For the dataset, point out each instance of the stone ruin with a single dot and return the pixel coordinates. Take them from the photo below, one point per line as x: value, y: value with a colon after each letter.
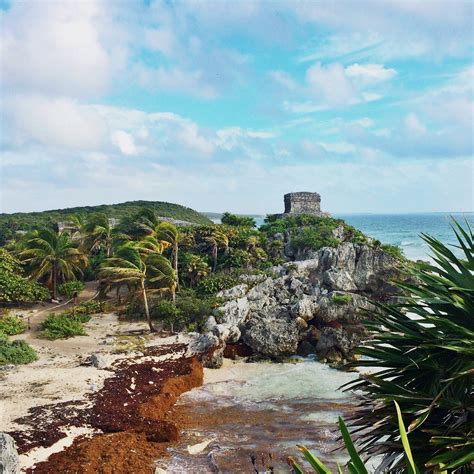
x: 303, y: 203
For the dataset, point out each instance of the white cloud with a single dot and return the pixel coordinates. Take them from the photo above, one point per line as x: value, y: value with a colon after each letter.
x: 54, y: 122
x: 413, y: 125
x: 59, y: 48
x: 163, y: 40
x: 370, y: 73
x: 124, y: 142
x: 331, y: 84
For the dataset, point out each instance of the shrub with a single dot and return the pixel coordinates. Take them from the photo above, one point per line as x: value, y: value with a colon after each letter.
x: 237, y: 221
x: 167, y: 312
x: 83, y: 311
x: 11, y: 325
x: 214, y: 283
x: 68, y: 288
x: 393, y: 250
x: 425, y: 348
x: 61, y: 326
x: 15, y: 352
x: 341, y: 299
x: 14, y: 287
x: 313, y: 238
x: 195, y: 310
x: 189, y: 313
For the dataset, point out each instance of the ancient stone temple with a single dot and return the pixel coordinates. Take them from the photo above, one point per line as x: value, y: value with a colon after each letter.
x: 303, y: 203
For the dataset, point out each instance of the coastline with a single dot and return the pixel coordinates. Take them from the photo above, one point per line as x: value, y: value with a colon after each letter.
x: 67, y: 415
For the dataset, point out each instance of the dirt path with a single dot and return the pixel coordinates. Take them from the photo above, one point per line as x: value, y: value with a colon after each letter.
x: 36, y: 314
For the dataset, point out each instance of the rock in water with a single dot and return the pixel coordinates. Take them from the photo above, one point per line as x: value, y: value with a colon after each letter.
x: 272, y: 334
x: 9, y: 460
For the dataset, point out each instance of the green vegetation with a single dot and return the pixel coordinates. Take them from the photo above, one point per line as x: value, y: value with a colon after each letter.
x: 356, y: 464
x: 83, y: 311
x: 62, y: 326
x: 10, y: 223
x: 14, y: 287
x: 70, y: 288
x: 215, y: 283
x: 11, y: 325
x: 237, y: 221
x: 427, y: 364
x: 189, y: 313
x: 342, y: 299
x: 311, y: 232
x: 52, y: 255
x: 15, y: 352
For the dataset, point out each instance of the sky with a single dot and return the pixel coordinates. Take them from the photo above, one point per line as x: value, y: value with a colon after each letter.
x: 228, y: 105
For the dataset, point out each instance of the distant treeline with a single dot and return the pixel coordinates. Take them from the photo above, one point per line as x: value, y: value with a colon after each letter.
x: 24, y: 221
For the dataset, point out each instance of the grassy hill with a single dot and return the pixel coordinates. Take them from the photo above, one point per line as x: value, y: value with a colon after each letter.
x: 31, y: 220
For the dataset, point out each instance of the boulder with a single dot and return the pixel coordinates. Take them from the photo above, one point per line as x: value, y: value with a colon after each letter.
x: 209, y: 348
x: 9, y: 460
x: 100, y: 361
x: 273, y: 333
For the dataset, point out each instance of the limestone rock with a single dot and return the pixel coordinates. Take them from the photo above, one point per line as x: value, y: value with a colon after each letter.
x: 9, y: 460
x: 272, y: 334
x: 100, y: 361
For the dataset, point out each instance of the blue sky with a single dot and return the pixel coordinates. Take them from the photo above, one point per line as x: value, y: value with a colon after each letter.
x: 223, y: 105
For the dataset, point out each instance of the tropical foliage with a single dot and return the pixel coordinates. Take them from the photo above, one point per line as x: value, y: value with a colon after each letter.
x: 52, y: 256
x: 70, y: 288
x: 355, y: 464
x: 11, y: 325
x: 15, y: 352
x: 237, y: 221
x: 14, y: 287
x: 425, y: 352
x: 62, y: 326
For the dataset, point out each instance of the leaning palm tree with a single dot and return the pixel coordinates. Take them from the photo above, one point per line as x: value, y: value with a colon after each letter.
x: 52, y: 255
x: 127, y: 268
x: 216, y: 240
x: 152, y: 226
x: 76, y: 225
x: 101, y: 235
x: 425, y: 350
x: 168, y: 235
x: 161, y: 274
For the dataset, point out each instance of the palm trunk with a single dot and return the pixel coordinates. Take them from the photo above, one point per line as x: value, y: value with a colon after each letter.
x: 147, y: 311
x: 214, y: 259
x: 55, y: 281
x: 175, y: 263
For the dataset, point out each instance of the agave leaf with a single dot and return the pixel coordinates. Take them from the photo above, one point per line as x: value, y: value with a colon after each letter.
x: 315, y: 463
x: 355, y: 458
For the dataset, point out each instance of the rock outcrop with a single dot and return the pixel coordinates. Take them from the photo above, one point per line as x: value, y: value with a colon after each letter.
x: 9, y: 460
x: 317, y: 302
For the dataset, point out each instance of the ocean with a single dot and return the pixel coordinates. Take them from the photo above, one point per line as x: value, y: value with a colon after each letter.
x: 403, y: 230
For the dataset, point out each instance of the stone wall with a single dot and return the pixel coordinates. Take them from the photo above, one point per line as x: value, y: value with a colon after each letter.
x: 303, y: 203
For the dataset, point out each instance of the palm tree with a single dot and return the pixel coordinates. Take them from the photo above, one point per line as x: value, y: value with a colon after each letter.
x: 163, y: 231
x: 216, y: 240
x: 161, y: 274
x: 76, y: 225
x: 127, y: 268
x: 424, y: 347
x: 54, y: 255
x: 100, y: 234
x: 195, y: 267
x: 168, y: 235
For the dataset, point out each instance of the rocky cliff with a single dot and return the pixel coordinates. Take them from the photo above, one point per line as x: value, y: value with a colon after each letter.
x: 307, y: 306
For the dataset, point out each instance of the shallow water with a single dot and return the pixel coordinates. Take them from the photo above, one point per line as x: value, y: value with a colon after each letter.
x: 261, y: 411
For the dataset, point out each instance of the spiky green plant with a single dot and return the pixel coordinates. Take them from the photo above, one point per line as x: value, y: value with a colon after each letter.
x: 355, y: 464
x: 423, y: 348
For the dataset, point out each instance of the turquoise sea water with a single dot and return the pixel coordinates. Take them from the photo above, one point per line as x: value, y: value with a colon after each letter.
x: 404, y: 230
